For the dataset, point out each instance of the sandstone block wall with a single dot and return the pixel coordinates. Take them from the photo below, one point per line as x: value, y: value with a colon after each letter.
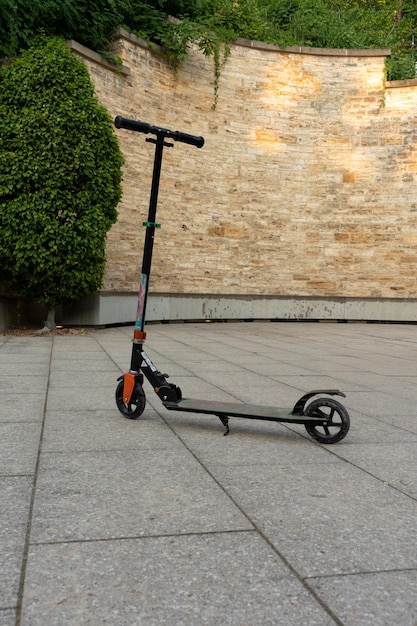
x: 306, y: 185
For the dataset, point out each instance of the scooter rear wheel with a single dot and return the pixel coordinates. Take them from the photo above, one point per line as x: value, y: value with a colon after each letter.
x: 337, y: 420
x: 137, y: 403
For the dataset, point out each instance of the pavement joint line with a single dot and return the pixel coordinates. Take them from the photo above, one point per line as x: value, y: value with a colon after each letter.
x: 28, y: 421
x: 32, y: 500
x: 25, y: 475
x: 106, y: 451
x: 395, y: 570
x: 202, y: 533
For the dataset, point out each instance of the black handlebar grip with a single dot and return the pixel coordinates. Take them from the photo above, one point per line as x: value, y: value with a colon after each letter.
x: 123, y: 122
x: 190, y: 139
x: 143, y: 127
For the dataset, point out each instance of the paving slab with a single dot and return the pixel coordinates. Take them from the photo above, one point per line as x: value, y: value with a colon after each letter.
x: 128, y: 494
x: 393, y: 462
x: 77, y: 363
x: 92, y: 398
x: 15, y: 496
x: 7, y: 617
x: 382, y: 404
x: 22, y: 407
x: 19, y: 445
x: 21, y: 367
x: 17, y: 384
x: 407, y: 422
x: 251, y: 388
x: 377, y: 430
x: 81, y: 379
x: 83, y: 431
x: 196, y: 387
x: 304, y: 381
x: 383, y: 598
x: 230, y: 579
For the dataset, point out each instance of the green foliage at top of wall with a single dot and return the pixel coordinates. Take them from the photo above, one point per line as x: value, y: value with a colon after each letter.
x: 60, y: 175
x: 212, y: 23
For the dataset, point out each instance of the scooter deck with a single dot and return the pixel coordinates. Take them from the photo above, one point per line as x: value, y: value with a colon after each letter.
x: 238, y: 409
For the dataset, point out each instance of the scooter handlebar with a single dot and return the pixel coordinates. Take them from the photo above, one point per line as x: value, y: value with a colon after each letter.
x: 123, y: 122
x: 143, y: 127
x: 193, y: 140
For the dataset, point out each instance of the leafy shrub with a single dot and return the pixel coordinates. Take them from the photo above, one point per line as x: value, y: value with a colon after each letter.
x: 60, y: 175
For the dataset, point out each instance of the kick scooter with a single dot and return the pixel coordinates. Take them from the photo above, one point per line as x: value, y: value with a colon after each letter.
x: 325, y: 419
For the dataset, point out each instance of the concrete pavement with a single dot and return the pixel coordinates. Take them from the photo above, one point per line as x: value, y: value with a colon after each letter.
x: 162, y: 520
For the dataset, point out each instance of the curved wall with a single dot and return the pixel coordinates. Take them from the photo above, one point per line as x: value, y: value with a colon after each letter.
x: 303, y: 197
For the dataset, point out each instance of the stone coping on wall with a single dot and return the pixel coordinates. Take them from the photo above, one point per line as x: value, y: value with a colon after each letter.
x: 260, y: 45
x: 328, y: 52
x: 393, y: 84
x: 97, y: 58
x: 121, y: 33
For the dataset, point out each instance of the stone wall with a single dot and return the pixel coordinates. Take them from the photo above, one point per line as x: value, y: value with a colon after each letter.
x: 305, y: 188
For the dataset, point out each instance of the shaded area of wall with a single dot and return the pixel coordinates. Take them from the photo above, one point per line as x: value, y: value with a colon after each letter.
x: 17, y: 312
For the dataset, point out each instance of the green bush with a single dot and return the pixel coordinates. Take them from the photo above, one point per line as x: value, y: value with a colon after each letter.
x: 60, y: 176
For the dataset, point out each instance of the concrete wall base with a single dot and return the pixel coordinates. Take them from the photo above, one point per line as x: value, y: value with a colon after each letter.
x: 111, y: 308
x: 107, y: 309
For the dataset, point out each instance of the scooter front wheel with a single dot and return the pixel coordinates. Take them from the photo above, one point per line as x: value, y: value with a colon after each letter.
x: 337, y: 423
x: 137, y: 403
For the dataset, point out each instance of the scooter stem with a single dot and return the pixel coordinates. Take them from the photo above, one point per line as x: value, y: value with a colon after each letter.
x: 161, y: 134
x: 150, y: 234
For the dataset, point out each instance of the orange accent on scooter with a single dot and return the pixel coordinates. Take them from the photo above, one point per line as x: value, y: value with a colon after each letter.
x: 128, y: 386
x: 139, y: 335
